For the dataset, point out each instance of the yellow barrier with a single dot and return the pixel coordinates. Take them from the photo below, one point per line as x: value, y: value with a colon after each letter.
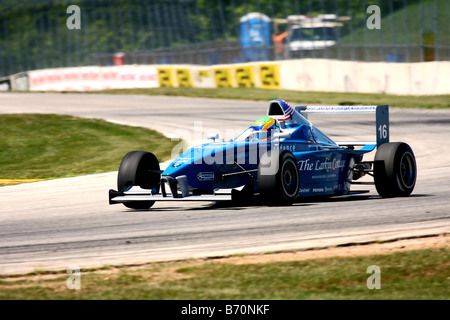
x: 251, y: 75
x: 223, y: 77
x: 165, y: 77
x: 184, y: 78
x: 245, y: 76
x: 269, y: 76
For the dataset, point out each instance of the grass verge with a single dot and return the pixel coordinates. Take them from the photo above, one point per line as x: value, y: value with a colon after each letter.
x: 299, y: 97
x: 416, y: 274
x: 48, y: 146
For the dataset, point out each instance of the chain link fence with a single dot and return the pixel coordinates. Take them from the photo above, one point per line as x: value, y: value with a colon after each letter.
x: 38, y: 34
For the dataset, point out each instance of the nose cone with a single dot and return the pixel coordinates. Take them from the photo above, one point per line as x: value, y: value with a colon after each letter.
x: 200, y: 164
x: 210, y: 153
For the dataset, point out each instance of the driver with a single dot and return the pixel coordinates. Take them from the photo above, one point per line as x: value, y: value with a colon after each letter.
x: 264, y: 127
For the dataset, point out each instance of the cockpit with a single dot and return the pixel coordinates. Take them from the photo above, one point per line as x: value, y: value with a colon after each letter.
x: 251, y: 135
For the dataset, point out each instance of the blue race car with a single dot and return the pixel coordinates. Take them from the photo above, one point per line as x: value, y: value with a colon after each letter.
x: 280, y: 158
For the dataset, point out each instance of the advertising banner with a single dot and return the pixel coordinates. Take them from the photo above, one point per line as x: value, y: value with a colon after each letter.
x: 93, y: 78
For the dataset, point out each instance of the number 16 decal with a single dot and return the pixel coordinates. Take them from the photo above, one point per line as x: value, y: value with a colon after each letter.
x: 382, y: 124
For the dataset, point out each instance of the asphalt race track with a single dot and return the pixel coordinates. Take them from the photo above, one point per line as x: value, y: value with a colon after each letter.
x: 59, y: 223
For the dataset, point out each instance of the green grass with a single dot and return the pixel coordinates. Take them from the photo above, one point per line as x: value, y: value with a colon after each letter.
x: 417, y: 275
x: 35, y: 146
x: 299, y: 97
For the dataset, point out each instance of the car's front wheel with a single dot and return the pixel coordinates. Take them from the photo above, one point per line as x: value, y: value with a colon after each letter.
x: 278, y: 177
x: 139, y: 168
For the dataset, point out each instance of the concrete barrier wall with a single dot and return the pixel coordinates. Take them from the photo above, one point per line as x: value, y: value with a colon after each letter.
x: 426, y: 78
x: 423, y: 78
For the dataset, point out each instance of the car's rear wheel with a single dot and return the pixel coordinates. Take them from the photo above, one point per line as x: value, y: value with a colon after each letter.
x: 278, y: 178
x: 395, y: 170
x: 139, y: 168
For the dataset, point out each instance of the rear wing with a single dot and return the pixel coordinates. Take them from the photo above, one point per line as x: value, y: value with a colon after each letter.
x: 381, y: 117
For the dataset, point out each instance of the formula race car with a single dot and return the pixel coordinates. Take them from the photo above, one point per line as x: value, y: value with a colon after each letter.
x: 280, y: 158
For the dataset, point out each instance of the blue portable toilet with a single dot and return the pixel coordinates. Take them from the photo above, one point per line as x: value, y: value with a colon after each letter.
x: 255, y: 37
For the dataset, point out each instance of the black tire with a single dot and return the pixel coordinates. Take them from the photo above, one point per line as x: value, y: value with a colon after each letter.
x: 395, y: 170
x: 281, y: 187
x: 134, y: 170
